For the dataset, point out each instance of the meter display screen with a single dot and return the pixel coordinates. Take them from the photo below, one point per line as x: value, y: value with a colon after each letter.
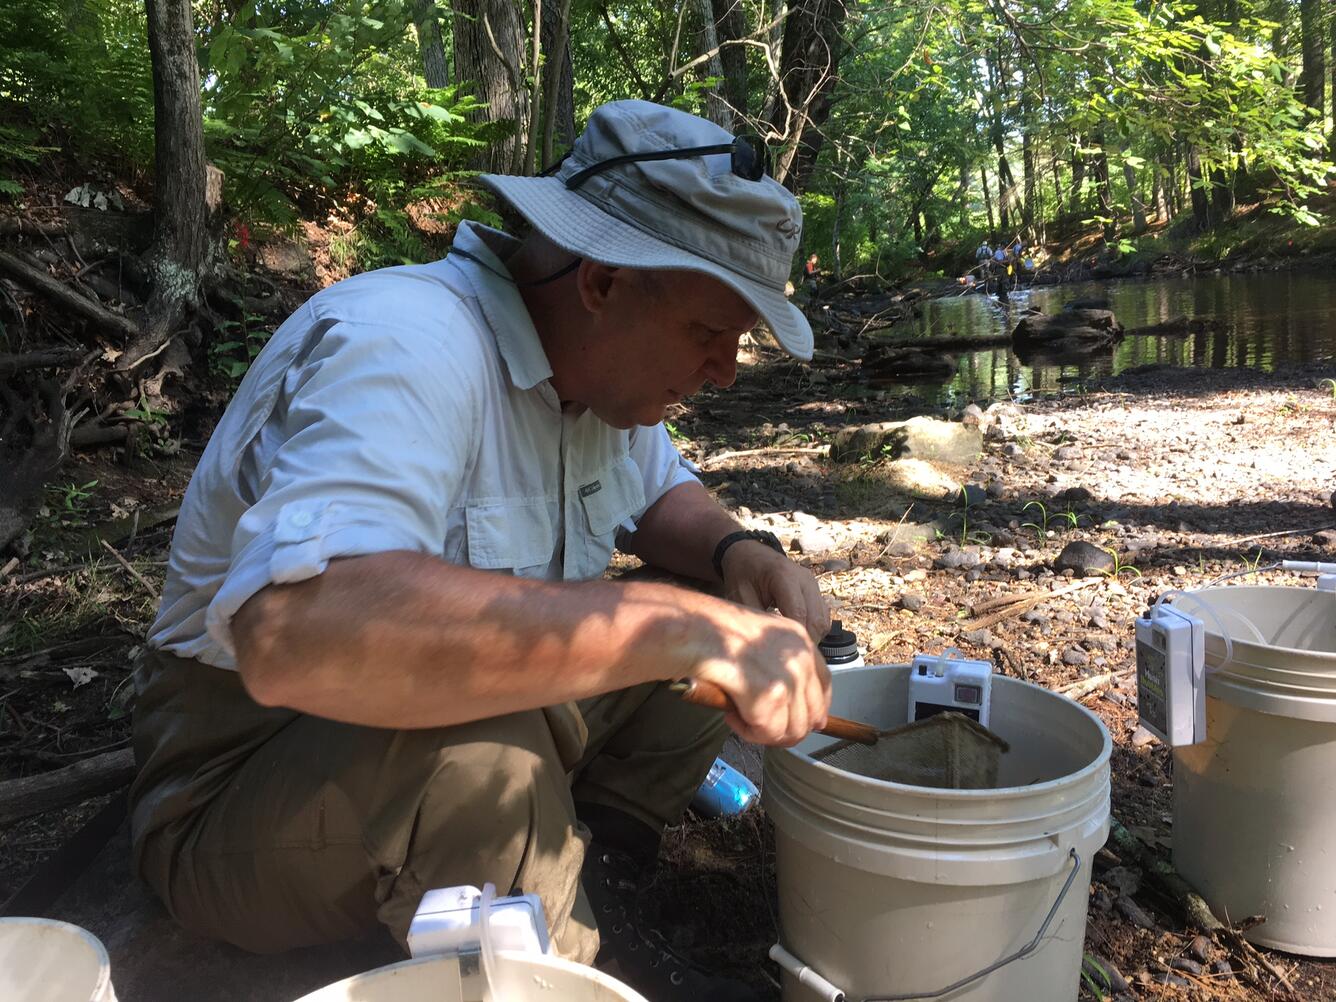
x: 1151, y: 697
x: 968, y: 694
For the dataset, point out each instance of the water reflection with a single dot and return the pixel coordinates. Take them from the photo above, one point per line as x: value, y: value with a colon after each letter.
x: 1267, y: 320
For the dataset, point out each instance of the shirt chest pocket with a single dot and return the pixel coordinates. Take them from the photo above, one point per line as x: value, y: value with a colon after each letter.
x: 612, y: 498
x: 515, y: 536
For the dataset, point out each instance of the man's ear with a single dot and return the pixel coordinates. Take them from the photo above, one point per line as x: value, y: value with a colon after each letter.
x: 596, y: 283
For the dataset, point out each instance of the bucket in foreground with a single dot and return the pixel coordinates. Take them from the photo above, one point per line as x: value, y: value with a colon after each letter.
x: 522, y: 977
x: 42, y: 960
x: 1254, y: 826
x: 894, y: 890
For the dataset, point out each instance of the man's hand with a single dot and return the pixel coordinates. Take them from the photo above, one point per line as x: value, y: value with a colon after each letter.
x: 758, y: 577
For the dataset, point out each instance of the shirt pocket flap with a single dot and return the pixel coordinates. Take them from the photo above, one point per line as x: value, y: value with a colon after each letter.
x: 510, y: 535
x: 615, y: 496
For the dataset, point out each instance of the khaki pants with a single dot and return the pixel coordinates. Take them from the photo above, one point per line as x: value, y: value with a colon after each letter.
x: 272, y: 829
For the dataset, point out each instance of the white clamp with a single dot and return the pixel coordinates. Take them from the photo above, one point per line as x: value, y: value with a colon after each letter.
x: 448, y: 923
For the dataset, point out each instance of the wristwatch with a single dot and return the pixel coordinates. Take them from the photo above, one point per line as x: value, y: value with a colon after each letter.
x: 759, y: 535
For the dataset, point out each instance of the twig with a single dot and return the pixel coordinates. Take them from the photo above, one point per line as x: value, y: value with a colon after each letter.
x: 10, y: 564
x: 772, y: 450
x: 153, y: 592
x: 1284, y: 532
x: 1085, y: 686
x: 1025, y: 604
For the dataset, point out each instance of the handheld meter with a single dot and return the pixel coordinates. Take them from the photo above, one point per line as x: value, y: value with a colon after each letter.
x: 1171, y: 675
x: 938, y: 684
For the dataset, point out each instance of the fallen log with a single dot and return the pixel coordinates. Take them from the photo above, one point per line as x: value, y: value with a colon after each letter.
x: 39, y: 281
x: 48, y: 791
x: 39, y: 360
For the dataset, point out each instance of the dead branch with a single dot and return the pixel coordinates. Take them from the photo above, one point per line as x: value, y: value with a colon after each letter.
x: 1025, y: 604
x: 153, y: 592
x: 773, y: 451
x: 105, y: 773
x: 51, y: 359
x: 41, y: 282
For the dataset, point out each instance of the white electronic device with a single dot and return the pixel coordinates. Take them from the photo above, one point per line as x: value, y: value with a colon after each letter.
x: 938, y: 683
x: 1171, y: 675
x: 448, y: 923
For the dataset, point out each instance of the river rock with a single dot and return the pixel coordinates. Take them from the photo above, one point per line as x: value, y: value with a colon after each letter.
x: 920, y: 479
x: 1200, y: 949
x: 1134, y: 913
x: 1104, y: 974
x: 1327, y: 538
x: 955, y: 558
x: 909, y: 600
x: 1004, y: 420
x: 1083, y: 558
x: 920, y: 437
x: 1074, y: 495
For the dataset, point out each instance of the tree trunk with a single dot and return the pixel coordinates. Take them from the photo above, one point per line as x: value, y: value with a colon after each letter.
x: 731, y: 25
x: 1104, y: 188
x: 1027, y: 159
x: 1201, y: 203
x: 1331, y: 67
x: 1313, y: 78
x: 716, y: 105
x: 808, y: 70
x: 1006, y: 191
x: 1159, y: 195
x: 558, y: 81
x: 1134, y: 197
x: 489, y: 53
x: 430, y: 44
x: 987, y: 199
x: 1078, y: 176
x: 182, y: 182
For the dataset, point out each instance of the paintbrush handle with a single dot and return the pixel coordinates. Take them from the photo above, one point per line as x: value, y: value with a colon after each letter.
x: 708, y: 694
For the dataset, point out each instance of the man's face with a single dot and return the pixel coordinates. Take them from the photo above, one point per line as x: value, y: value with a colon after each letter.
x: 659, y: 338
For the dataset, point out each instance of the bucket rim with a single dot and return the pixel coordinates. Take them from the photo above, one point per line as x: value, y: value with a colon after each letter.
x: 99, y: 949
x: 1101, y: 759
x: 1211, y: 629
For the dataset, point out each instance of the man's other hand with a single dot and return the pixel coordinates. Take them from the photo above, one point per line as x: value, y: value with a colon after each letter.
x: 758, y: 577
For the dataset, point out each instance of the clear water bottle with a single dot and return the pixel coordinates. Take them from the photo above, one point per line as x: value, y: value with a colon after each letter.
x: 725, y: 791
x: 840, y: 648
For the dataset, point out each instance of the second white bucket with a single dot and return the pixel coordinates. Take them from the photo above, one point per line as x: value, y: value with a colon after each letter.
x: 897, y: 892
x: 1254, y: 823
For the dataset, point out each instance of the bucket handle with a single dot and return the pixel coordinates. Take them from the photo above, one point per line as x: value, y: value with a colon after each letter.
x: 1020, y: 954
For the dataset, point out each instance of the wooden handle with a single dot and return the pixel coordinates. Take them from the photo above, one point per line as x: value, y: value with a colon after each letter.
x: 708, y: 694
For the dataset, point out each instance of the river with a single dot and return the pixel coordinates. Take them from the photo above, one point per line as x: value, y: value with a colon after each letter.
x: 1267, y: 320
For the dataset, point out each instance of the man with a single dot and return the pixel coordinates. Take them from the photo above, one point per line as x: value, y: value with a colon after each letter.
x: 384, y: 660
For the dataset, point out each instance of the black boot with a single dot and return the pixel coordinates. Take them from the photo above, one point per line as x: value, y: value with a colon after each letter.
x: 620, y: 858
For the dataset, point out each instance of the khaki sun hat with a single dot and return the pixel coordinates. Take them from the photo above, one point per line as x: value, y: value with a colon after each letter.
x: 701, y: 204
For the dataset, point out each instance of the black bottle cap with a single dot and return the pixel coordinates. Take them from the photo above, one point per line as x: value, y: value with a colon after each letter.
x: 839, y: 645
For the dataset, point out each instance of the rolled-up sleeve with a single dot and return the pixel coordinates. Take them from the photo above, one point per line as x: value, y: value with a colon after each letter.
x: 373, y: 445
x: 661, y: 466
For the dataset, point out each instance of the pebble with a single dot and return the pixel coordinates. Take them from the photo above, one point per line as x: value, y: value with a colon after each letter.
x: 1172, y: 979
x: 836, y: 564
x: 1101, y: 899
x: 1327, y: 538
x: 1067, y: 453
x: 1200, y: 949
x: 1013, y: 450
x: 995, y: 489
x: 1075, y: 656
x: 917, y: 574
x: 911, y: 601
x: 1134, y: 913
x: 1142, y: 737
x: 1123, y: 879
x: 979, y: 638
x: 959, y: 559
x: 900, y: 548
x: 1104, y: 973
x: 1187, y: 965
x: 1223, y: 969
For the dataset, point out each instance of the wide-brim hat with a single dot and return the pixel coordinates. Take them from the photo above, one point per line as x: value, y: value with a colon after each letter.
x: 688, y: 214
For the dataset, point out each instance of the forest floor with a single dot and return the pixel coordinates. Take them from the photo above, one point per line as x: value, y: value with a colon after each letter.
x: 1184, y: 474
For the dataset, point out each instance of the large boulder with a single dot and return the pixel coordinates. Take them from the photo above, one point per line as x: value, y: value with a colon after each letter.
x: 918, y: 438
x: 920, y: 479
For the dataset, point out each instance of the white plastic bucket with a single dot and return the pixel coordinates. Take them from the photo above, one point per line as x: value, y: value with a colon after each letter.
x: 894, y: 890
x: 1254, y: 821
x: 46, y: 961
x: 524, y: 977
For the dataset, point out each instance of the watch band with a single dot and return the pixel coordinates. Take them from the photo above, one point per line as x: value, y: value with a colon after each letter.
x: 758, y: 535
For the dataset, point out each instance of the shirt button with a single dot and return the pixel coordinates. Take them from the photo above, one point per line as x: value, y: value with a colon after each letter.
x: 302, y: 519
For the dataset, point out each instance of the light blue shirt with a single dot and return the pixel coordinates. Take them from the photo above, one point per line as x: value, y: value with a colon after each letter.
x: 403, y: 409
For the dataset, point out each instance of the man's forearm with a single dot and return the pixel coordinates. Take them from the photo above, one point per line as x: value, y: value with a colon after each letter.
x: 680, y: 531
x: 406, y: 640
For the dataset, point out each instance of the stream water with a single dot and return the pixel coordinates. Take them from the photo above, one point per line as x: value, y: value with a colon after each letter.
x: 1268, y: 320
